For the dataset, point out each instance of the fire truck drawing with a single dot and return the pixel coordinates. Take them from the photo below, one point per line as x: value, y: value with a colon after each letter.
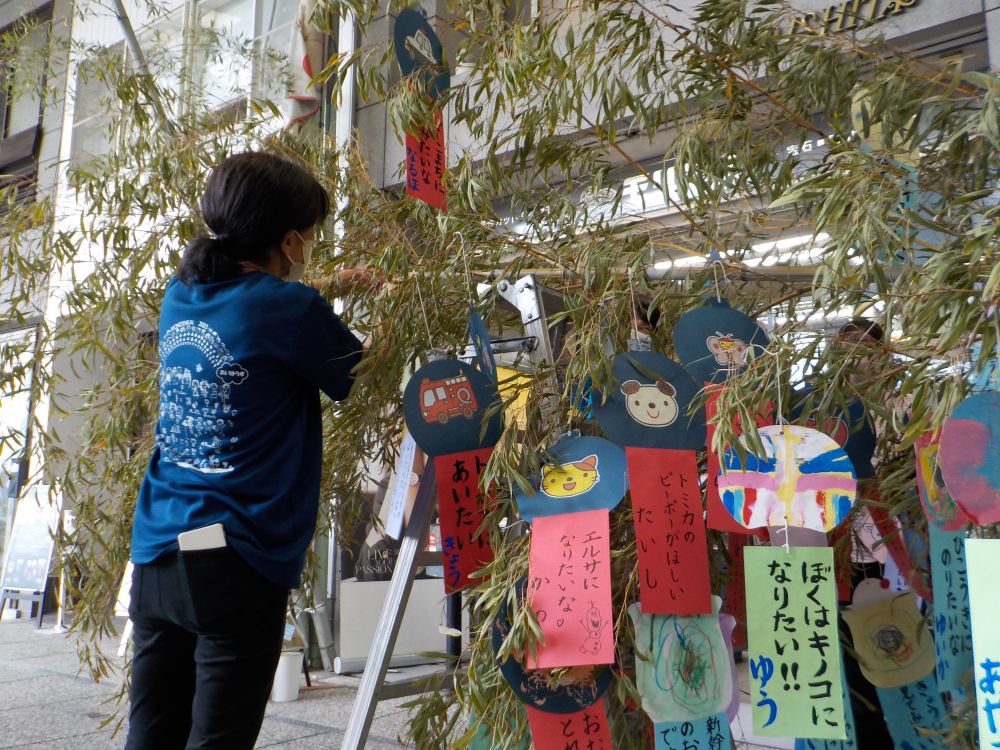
x: 440, y: 400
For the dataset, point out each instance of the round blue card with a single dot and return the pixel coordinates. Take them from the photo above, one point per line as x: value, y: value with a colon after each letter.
x: 419, y: 49
x: 715, y: 339
x: 534, y: 687
x: 648, y: 407
x: 579, y: 473
x: 445, y: 404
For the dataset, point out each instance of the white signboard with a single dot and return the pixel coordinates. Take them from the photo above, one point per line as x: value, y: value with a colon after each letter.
x: 983, y: 559
x: 36, y: 520
x: 399, y: 491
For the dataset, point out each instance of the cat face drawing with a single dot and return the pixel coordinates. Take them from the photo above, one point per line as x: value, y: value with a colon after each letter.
x: 570, y: 480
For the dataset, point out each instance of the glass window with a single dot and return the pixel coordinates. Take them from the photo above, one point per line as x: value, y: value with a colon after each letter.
x: 92, y: 101
x: 16, y: 349
x: 245, y: 45
x: 226, y: 36
x: 23, y: 94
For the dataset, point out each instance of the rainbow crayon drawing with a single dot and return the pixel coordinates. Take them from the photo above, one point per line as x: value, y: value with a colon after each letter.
x: 804, y: 479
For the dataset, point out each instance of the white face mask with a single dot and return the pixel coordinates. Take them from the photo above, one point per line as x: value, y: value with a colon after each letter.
x: 297, y: 271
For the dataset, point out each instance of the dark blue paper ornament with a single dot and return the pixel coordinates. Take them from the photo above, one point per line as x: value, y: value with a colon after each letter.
x: 445, y: 404
x: 648, y: 406
x: 714, y: 340
x: 419, y: 49
x: 480, y: 337
x: 579, y: 473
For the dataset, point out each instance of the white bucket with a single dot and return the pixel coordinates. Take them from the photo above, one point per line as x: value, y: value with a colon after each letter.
x: 287, y: 677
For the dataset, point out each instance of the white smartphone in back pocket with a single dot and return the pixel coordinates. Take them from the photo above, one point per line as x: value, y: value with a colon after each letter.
x: 207, y: 537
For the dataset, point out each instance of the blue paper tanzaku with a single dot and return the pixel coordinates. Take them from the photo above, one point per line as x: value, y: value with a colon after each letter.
x: 952, y: 628
x: 705, y: 734
x: 906, y: 708
x: 479, y: 335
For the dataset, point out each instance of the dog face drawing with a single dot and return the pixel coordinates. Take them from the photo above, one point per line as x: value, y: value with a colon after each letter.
x: 569, y: 480
x: 651, y: 404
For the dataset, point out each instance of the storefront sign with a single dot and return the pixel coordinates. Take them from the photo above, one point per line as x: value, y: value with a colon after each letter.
x: 849, y: 15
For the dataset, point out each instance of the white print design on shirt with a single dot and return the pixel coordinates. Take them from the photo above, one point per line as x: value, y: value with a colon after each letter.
x: 195, y: 411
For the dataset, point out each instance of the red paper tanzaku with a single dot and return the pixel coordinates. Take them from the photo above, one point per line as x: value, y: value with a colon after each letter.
x: 569, y: 588
x: 669, y: 532
x: 736, y: 595
x: 584, y: 730
x: 425, y: 165
x: 461, y: 509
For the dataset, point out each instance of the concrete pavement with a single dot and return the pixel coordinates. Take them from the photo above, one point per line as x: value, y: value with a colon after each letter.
x: 47, y: 703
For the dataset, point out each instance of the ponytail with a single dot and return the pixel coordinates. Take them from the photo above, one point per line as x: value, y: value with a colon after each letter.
x: 205, y: 259
x: 251, y: 201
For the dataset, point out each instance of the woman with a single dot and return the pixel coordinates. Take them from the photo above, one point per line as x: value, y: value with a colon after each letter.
x: 244, y: 351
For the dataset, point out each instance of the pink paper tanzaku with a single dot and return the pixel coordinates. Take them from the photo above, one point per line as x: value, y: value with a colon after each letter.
x: 569, y: 588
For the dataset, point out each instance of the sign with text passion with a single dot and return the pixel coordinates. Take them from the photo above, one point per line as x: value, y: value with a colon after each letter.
x: 453, y: 413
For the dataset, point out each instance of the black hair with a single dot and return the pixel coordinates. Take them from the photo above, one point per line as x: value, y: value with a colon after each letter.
x: 646, y: 313
x: 861, y: 325
x: 251, y: 201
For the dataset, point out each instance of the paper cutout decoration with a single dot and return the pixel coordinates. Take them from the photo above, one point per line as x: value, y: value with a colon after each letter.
x: 850, y: 742
x: 913, y: 707
x: 851, y: 429
x: 952, y: 632
x: 893, y: 539
x: 683, y: 670
x: 940, y: 509
x: 715, y: 340
x: 704, y: 734
x: 538, y: 688
x: 418, y: 50
x: 669, y: 532
x: 569, y: 588
x: 580, y: 473
x: 983, y: 559
x: 794, y: 654
x: 893, y: 645
x: 718, y: 517
x: 648, y: 404
x: 462, y: 507
x: 970, y: 457
x: 445, y: 404
x: 583, y: 730
x: 479, y: 335
x: 425, y: 165
x: 647, y: 412
x: 804, y: 479
x: 866, y: 542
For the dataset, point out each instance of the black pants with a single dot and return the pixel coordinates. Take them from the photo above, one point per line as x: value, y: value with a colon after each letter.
x: 207, y: 632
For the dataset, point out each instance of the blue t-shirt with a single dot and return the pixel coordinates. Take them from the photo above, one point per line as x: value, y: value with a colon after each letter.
x: 238, y: 440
